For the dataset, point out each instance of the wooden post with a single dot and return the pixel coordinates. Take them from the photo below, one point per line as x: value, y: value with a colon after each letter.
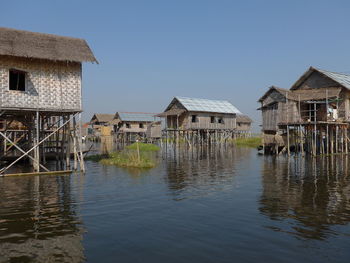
x: 37, y: 149
x: 68, y: 148
x: 336, y: 138
x: 81, y: 156
x: 138, y: 151
x: 288, y: 144
x: 75, y: 144
x: 346, y: 140
x: 315, y: 130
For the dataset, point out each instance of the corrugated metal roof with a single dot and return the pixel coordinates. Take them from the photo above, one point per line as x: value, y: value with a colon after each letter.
x: 205, y: 105
x: 138, y: 116
x: 341, y: 78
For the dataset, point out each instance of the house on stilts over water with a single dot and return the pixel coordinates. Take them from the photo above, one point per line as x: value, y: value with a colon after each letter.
x: 204, y: 120
x: 102, y: 124
x: 40, y: 89
x: 313, y: 116
x: 130, y: 126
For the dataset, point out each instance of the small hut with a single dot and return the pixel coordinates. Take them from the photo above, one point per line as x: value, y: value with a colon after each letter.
x: 244, y: 124
x: 40, y: 88
x: 102, y: 124
x: 313, y: 115
x: 203, y: 117
x: 128, y: 126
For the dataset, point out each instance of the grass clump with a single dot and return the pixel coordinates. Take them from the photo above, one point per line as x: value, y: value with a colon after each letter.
x: 248, y: 142
x: 143, y: 147
x: 129, y: 157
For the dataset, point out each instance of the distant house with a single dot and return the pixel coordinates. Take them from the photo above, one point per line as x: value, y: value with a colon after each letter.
x: 102, y: 120
x: 128, y: 125
x: 244, y: 123
x: 186, y: 114
x: 154, y: 130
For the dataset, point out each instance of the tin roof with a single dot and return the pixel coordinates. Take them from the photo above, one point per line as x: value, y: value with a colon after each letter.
x: 137, y: 116
x: 206, y: 105
x: 340, y: 78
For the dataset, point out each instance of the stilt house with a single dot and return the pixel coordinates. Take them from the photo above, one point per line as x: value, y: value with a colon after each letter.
x: 316, y: 108
x: 40, y: 87
x: 130, y: 125
x: 204, y: 116
x: 193, y: 114
x: 102, y: 124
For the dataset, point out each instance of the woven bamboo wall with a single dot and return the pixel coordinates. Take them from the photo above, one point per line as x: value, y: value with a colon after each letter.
x: 50, y: 85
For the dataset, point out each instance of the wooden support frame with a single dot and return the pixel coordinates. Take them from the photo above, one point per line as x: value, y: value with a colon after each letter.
x: 38, y: 133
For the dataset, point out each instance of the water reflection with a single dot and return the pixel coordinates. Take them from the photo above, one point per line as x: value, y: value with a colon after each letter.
x: 202, y: 170
x: 39, y: 222
x: 310, y: 195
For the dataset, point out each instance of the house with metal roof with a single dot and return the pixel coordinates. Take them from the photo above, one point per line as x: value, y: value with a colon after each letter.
x: 202, y: 114
x: 131, y: 124
x: 319, y: 101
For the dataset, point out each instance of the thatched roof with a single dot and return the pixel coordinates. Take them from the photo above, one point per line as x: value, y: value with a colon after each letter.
x: 272, y: 88
x: 314, y: 94
x: 305, y: 94
x: 28, y: 44
x: 243, y: 118
x: 99, y: 117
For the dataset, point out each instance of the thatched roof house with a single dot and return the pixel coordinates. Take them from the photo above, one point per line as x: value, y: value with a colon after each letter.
x: 41, y: 71
x: 192, y: 113
x: 102, y: 119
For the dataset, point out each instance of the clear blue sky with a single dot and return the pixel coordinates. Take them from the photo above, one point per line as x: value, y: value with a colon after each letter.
x: 150, y: 51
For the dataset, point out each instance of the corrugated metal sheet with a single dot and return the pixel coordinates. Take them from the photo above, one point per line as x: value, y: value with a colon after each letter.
x: 341, y: 78
x: 205, y: 105
x: 138, y: 116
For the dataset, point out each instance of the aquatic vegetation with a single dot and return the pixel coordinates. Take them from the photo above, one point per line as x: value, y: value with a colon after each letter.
x: 129, y: 159
x: 144, y: 147
x: 248, y: 142
x: 137, y: 155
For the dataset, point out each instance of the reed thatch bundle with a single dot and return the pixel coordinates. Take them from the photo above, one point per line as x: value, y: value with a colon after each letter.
x: 27, y: 44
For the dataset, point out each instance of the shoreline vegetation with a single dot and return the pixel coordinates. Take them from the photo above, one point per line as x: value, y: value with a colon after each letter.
x: 136, y: 155
x: 252, y: 142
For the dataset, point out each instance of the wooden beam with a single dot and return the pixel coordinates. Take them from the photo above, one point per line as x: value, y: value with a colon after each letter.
x: 40, y: 173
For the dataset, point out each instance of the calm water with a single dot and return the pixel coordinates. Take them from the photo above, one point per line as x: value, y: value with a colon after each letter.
x: 218, y: 205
